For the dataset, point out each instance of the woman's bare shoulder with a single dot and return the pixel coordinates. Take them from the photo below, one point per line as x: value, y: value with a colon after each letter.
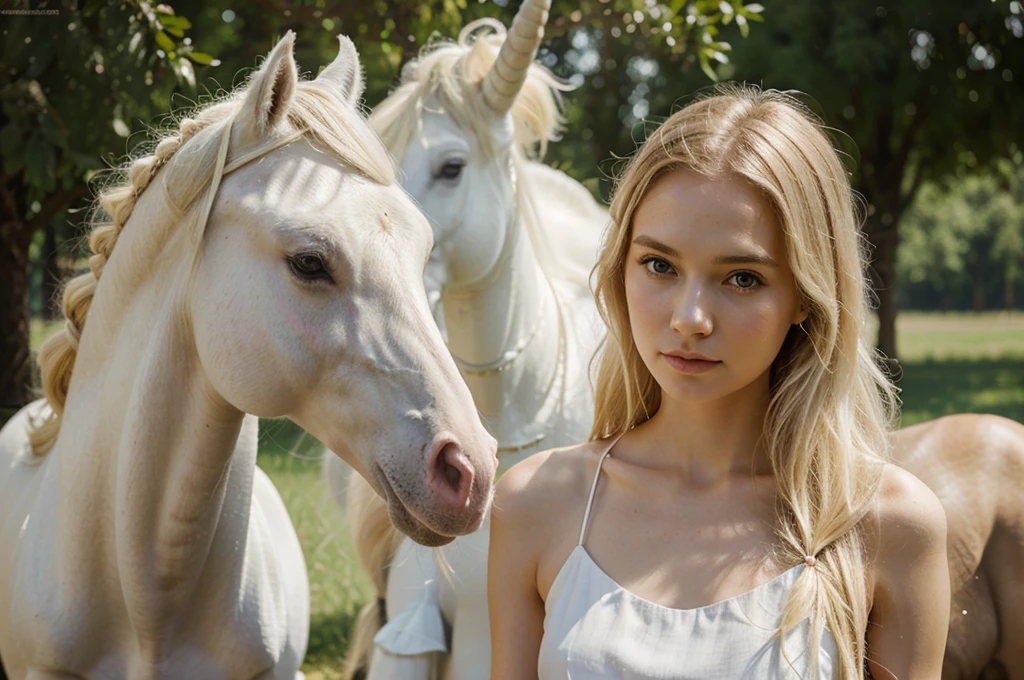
x: 910, y: 595
x: 909, y: 520
x: 547, y: 484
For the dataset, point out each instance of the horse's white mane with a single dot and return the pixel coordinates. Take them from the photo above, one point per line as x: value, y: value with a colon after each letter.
x: 573, y: 222
x: 325, y: 120
x: 448, y: 75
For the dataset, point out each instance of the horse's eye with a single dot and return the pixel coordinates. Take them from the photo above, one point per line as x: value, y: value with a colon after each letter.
x: 451, y: 170
x: 308, y: 267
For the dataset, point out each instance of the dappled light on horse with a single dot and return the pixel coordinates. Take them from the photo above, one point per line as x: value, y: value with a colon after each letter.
x: 514, y: 242
x: 139, y: 539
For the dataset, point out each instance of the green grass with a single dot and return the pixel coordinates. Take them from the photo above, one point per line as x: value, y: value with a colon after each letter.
x: 40, y: 330
x: 337, y: 586
x: 946, y: 336
x: 952, y: 363
x: 936, y: 388
x: 961, y: 363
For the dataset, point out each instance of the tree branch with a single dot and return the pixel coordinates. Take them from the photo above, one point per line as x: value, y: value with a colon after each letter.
x: 55, y: 203
x: 906, y: 199
x: 921, y: 111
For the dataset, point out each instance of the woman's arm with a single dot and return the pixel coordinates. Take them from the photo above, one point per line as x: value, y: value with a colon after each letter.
x: 516, y: 609
x: 906, y: 636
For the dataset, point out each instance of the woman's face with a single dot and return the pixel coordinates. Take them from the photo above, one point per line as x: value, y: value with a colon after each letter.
x: 708, y: 286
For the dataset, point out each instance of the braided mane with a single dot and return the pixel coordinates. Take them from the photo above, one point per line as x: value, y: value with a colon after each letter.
x: 315, y: 114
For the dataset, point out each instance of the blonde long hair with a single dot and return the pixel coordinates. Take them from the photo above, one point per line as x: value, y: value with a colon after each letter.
x: 831, y: 406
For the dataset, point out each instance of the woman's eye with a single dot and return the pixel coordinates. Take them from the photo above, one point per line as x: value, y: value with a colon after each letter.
x: 451, y: 170
x: 308, y: 267
x: 745, y: 280
x: 658, y: 266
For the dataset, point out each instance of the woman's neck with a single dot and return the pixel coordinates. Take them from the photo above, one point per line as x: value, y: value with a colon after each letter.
x: 711, y: 441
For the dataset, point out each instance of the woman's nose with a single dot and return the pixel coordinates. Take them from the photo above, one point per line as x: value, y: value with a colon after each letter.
x: 692, y: 314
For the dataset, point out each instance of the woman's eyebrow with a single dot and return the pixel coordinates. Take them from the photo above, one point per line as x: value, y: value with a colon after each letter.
x: 745, y: 258
x: 656, y: 245
x: 751, y: 258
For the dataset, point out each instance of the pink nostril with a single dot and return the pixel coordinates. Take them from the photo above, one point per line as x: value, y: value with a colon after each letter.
x: 450, y: 474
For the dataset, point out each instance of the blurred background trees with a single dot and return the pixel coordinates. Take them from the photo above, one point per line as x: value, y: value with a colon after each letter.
x: 963, y: 241
x: 923, y: 97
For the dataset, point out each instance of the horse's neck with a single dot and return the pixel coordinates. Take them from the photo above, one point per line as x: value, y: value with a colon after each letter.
x: 515, y: 313
x: 146, y: 453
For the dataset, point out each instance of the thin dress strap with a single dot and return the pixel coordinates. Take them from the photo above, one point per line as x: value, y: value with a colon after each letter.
x: 593, y: 488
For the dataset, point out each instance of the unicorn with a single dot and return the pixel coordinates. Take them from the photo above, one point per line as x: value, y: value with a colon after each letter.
x: 514, y: 244
x: 511, y: 235
x: 262, y: 261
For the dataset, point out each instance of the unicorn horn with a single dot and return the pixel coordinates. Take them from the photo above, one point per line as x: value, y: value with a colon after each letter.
x: 506, y: 77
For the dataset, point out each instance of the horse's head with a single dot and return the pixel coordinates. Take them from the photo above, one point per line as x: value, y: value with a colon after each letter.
x: 307, y: 296
x: 461, y: 114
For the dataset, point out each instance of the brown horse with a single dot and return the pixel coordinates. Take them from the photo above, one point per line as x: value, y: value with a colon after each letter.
x: 975, y: 465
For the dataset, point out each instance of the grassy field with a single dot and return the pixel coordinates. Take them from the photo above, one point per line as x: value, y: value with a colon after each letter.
x: 951, y: 363
x: 958, y: 363
x: 337, y: 585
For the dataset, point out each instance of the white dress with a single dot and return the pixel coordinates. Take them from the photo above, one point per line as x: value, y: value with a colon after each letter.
x: 594, y: 628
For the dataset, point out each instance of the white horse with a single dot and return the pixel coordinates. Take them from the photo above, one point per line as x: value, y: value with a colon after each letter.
x: 273, y: 268
x: 514, y: 244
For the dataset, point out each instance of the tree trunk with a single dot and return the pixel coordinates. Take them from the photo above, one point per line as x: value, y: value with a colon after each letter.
x: 977, y: 295
x: 15, y: 364
x: 50, y: 257
x: 883, y: 166
x: 15, y: 238
x: 884, y: 239
x: 15, y: 367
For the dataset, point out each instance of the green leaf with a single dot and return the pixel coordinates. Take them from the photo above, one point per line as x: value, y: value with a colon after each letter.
x: 702, y: 57
x: 183, y: 69
x: 164, y: 43
x: 171, y: 21
x: 200, y: 57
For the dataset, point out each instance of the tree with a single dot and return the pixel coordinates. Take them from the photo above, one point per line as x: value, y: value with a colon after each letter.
x: 632, y: 62
x: 605, y: 47
x: 73, y: 75
x: 963, y: 240
x: 923, y: 89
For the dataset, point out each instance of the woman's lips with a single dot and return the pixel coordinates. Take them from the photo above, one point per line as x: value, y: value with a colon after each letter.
x: 690, y: 366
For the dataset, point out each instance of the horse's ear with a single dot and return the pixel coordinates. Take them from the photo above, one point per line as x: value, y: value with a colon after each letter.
x: 270, y: 90
x: 344, y: 75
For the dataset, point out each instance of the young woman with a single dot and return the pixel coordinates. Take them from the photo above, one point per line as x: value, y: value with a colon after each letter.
x: 733, y: 515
